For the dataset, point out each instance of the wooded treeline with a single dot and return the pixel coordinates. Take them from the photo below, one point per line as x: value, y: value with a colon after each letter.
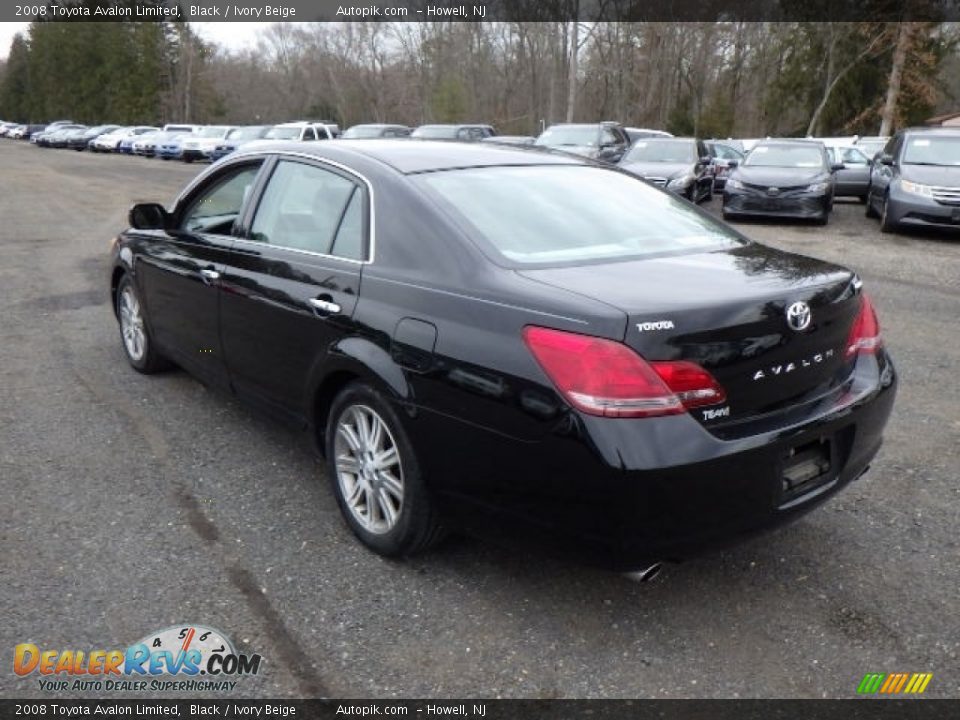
x: 711, y: 79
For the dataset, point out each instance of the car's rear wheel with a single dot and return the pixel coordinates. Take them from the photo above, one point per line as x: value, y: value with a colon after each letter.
x: 870, y: 212
x: 375, y: 475
x: 134, y: 332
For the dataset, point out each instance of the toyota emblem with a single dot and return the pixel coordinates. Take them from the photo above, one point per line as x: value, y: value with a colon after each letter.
x: 799, y: 316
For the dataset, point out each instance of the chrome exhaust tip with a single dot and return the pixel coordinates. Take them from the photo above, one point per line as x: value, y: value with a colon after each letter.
x: 647, y: 574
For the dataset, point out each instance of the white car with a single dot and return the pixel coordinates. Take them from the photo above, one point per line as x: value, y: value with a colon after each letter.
x: 296, y: 132
x: 108, y: 142
x: 201, y: 145
x: 122, y: 140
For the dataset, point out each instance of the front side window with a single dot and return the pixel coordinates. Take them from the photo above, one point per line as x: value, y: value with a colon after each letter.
x: 305, y: 207
x: 852, y: 156
x: 556, y: 214
x: 215, y: 207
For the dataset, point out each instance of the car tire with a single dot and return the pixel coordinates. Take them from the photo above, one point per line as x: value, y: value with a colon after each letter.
x: 886, y: 224
x: 869, y: 211
x: 135, y: 331
x: 388, y: 507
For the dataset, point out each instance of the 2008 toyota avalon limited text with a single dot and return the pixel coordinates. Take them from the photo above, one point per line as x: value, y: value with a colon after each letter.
x: 512, y: 343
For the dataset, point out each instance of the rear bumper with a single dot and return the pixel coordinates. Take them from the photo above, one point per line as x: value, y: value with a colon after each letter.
x: 624, y: 493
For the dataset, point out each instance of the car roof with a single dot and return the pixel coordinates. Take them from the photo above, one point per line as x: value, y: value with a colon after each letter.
x: 793, y: 143
x: 425, y: 156
x: 933, y: 130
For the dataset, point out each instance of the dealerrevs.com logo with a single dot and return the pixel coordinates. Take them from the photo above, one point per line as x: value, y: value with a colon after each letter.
x: 180, y: 658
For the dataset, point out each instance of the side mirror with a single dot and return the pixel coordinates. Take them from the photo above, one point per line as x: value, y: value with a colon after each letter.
x: 886, y: 159
x: 837, y: 166
x: 148, y: 216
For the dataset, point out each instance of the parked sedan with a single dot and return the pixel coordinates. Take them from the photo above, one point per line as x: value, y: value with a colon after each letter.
x: 57, y: 136
x: 782, y: 178
x: 681, y: 165
x: 237, y: 138
x: 366, y: 132
x: 467, y: 133
x: 81, y: 141
x: 585, y: 360
x: 605, y: 141
x: 125, y: 145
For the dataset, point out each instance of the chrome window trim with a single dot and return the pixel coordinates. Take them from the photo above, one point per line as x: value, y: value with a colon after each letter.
x: 240, y: 157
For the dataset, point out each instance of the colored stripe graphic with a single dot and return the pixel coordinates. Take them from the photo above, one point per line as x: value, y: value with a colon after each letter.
x: 871, y: 683
x: 894, y: 683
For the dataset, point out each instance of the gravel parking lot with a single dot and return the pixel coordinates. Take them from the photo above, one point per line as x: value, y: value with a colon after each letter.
x: 131, y: 503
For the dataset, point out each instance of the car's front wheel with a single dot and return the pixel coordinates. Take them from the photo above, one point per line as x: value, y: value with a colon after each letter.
x: 887, y: 225
x: 375, y: 475
x: 137, y: 343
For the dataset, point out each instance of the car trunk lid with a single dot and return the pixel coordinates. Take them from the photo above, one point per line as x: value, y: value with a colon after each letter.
x: 728, y: 312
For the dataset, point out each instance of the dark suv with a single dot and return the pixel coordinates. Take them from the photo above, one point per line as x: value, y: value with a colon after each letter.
x: 916, y: 180
x: 606, y: 141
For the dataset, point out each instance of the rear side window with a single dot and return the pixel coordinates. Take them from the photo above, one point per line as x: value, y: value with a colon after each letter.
x: 305, y: 207
x: 548, y: 215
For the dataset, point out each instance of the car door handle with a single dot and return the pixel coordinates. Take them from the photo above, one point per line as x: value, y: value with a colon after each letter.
x: 209, y: 276
x: 326, y: 306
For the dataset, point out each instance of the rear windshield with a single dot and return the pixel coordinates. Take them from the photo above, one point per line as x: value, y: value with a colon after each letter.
x: 792, y: 156
x: 362, y: 131
x: 667, y: 151
x: 943, y: 150
x: 212, y: 132
x: 283, y: 133
x: 572, y: 135
x: 556, y: 214
x: 436, y: 131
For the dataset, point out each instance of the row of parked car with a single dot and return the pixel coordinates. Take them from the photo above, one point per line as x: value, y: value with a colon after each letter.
x: 771, y: 177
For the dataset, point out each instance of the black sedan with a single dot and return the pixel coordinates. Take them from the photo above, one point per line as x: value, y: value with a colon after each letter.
x: 509, y: 343
x: 681, y: 165
x: 782, y: 178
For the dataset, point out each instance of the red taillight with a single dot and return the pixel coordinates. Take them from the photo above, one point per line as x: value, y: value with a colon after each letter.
x: 690, y: 382
x: 603, y: 377
x: 865, y: 334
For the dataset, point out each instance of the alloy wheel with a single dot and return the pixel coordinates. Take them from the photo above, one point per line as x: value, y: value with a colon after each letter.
x: 368, y: 469
x: 131, y: 325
